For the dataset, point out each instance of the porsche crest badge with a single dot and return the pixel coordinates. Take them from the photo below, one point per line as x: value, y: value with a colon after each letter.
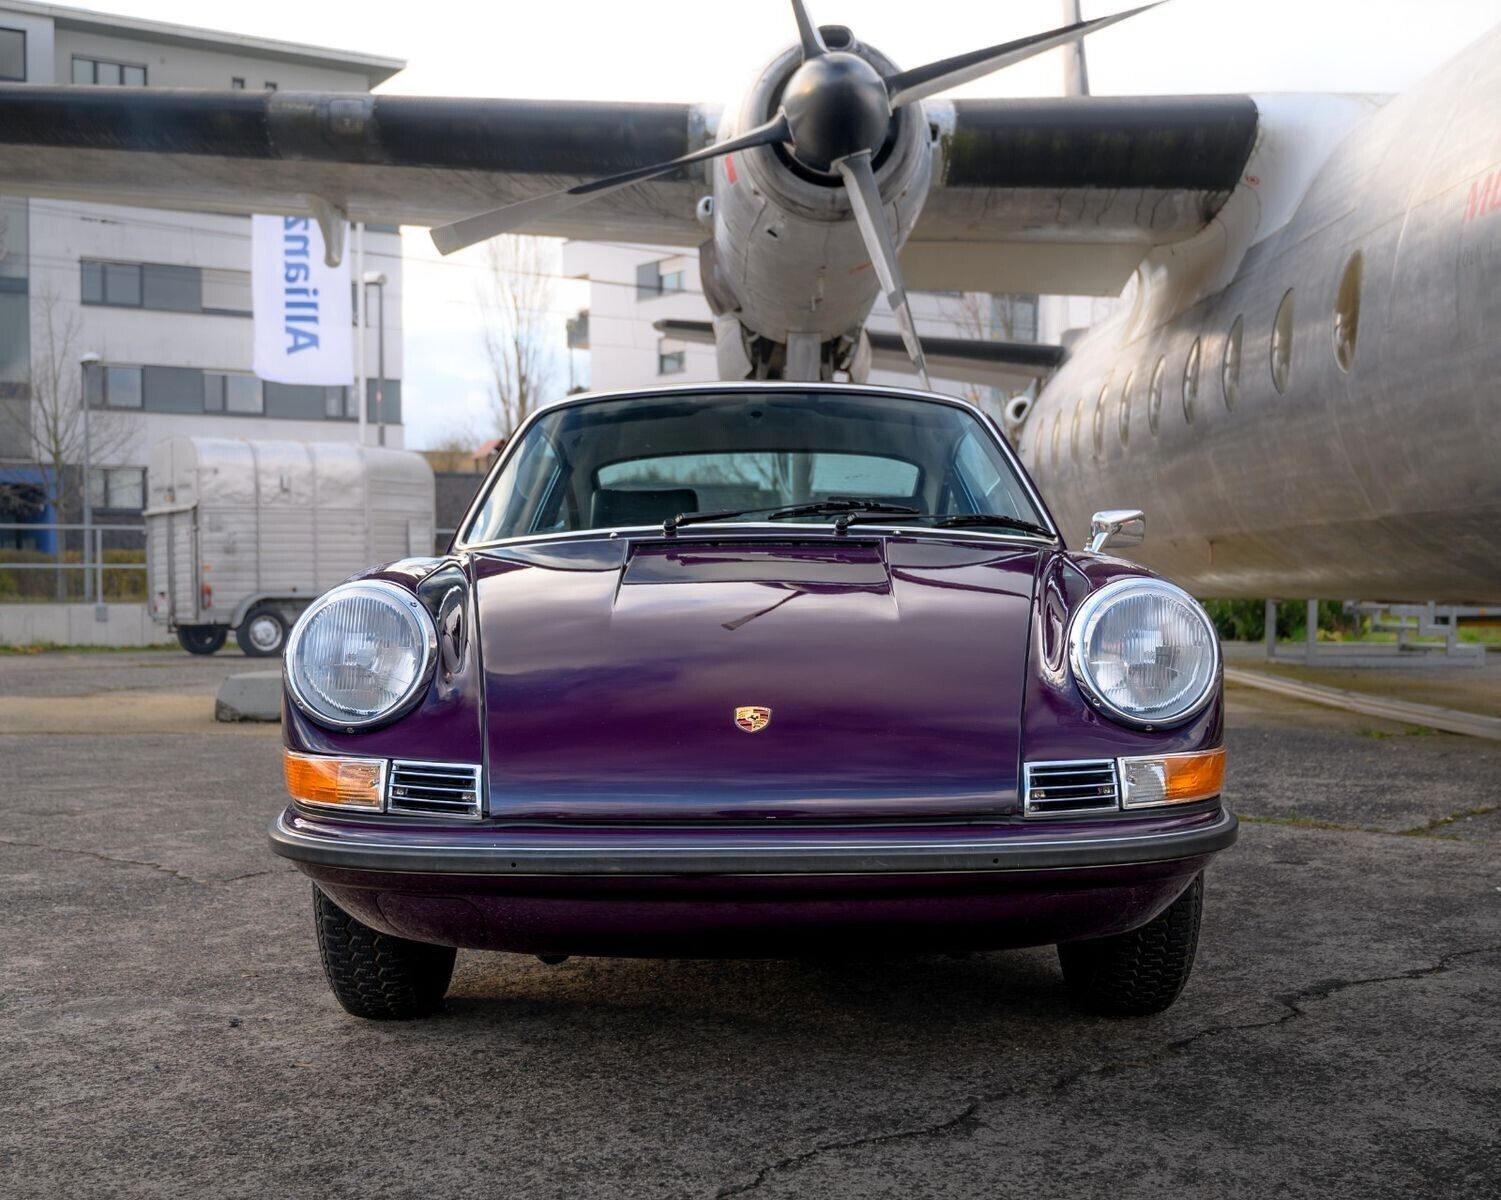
x: 752, y: 718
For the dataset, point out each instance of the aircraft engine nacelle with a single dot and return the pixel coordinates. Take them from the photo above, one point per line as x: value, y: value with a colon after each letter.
x: 787, y: 257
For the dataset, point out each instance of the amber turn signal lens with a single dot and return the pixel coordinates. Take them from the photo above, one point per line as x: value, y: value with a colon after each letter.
x: 353, y: 783
x: 1172, y: 778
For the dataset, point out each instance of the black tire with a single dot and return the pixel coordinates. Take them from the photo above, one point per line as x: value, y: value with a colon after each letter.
x: 375, y: 975
x: 263, y: 632
x: 201, y: 639
x: 1138, y: 973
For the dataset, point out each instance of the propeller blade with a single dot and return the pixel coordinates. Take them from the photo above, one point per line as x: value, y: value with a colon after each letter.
x: 921, y: 82
x: 510, y: 217
x: 807, y: 32
x: 865, y: 198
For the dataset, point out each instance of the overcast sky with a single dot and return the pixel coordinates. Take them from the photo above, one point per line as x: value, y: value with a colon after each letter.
x: 704, y: 50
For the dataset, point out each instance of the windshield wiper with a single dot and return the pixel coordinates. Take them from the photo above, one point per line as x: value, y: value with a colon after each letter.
x: 842, y: 505
x: 957, y: 520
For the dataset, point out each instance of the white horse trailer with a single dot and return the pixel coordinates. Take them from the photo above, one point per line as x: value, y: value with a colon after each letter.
x: 243, y: 535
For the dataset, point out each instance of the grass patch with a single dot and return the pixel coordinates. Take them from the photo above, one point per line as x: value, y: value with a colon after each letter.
x: 1479, y: 810
x: 1427, y: 829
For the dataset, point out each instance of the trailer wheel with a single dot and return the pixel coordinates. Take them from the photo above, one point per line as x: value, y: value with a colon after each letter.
x: 262, y: 633
x: 201, y: 639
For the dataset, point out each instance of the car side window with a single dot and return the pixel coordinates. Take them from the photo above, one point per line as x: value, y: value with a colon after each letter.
x: 526, y: 496
x: 980, y: 479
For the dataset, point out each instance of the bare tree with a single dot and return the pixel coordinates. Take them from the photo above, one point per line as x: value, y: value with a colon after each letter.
x: 515, y: 295
x: 985, y: 317
x: 973, y: 315
x: 50, y: 427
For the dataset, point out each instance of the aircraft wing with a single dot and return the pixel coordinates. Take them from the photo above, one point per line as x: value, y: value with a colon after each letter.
x: 1068, y: 195
x: 393, y: 159
x: 1053, y: 195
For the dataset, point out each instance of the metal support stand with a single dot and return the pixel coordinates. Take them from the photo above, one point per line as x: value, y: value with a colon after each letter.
x: 101, y: 613
x: 1311, y: 645
x: 1271, y: 630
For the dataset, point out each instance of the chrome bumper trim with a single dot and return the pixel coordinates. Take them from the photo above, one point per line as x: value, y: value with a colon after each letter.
x: 748, y: 852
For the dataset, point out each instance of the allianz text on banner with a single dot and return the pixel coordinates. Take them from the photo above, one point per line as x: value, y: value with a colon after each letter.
x: 302, y: 318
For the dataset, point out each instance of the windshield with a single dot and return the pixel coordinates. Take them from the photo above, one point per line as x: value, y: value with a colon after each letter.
x: 643, y: 460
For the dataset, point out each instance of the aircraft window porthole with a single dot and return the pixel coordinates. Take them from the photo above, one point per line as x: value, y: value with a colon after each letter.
x: 1073, y: 431
x: 1230, y: 368
x: 1057, y: 425
x: 1347, y: 312
x: 1282, y: 343
x: 1154, y: 394
x: 1125, y: 414
x: 1191, y: 383
x: 1099, y: 422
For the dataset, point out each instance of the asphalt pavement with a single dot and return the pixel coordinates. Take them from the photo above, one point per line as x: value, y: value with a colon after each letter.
x: 165, y: 1029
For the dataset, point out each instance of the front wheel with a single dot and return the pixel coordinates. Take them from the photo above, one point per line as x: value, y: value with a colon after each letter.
x: 375, y: 975
x: 262, y: 633
x: 201, y: 639
x: 1141, y: 972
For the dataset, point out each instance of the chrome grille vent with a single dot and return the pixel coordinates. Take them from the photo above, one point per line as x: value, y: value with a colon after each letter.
x: 1070, y: 787
x: 428, y: 789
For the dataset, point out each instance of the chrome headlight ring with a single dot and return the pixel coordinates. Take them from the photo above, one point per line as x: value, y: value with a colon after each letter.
x: 1086, y: 622
x: 388, y: 601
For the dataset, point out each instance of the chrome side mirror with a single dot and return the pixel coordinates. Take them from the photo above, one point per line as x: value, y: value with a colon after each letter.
x: 1116, y: 527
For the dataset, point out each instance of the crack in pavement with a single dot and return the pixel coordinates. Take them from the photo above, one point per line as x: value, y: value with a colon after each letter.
x: 968, y: 1120
x: 173, y: 872
x: 964, y: 1123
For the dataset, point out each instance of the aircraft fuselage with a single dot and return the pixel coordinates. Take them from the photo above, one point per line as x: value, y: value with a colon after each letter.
x: 1356, y: 449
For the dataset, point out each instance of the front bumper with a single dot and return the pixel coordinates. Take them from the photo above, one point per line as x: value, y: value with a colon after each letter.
x: 788, y: 850
x: 669, y: 891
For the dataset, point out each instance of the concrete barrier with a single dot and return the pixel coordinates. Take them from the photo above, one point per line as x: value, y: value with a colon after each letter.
x: 80, y: 625
x: 249, y: 696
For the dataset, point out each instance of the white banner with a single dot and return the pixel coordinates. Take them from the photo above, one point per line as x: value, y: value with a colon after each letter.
x: 302, y: 319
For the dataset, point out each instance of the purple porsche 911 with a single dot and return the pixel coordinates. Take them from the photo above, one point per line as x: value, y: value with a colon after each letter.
x: 756, y: 670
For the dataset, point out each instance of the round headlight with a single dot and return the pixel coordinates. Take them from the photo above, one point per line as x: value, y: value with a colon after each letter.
x: 1145, y: 652
x: 361, y: 654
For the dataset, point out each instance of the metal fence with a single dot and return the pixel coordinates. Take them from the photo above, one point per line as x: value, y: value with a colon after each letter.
x: 91, y: 573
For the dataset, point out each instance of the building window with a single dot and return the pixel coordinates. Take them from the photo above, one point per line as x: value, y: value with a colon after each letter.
x: 114, y: 284
x: 1154, y: 395
x: 1124, y: 420
x: 270, y: 85
x: 1282, y: 343
x: 112, y: 387
x: 243, y: 395
x: 13, y: 55
x: 114, y: 74
x: 233, y: 393
x: 222, y: 292
x: 653, y: 280
x: 120, y: 488
x: 1191, y: 383
x: 672, y: 358
x: 1230, y: 368
x: 164, y: 287
x: 578, y: 331
x: 1014, y: 318
x: 237, y: 82
x: 1347, y: 312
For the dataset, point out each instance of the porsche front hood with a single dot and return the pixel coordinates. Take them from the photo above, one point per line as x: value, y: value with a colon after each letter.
x: 893, y: 672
